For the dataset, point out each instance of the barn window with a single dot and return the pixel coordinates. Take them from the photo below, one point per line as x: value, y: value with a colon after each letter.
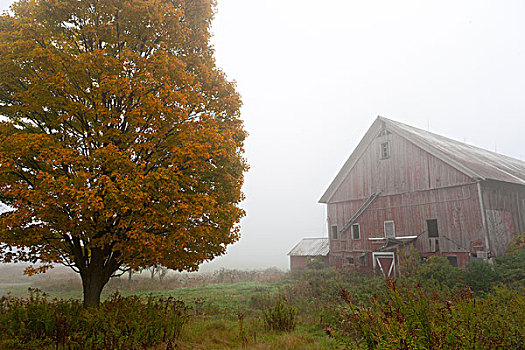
x: 432, y: 228
x: 390, y: 230
x: 356, y: 233
x: 350, y: 260
x: 453, y: 260
x: 385, y: 150
x: 334, y: 231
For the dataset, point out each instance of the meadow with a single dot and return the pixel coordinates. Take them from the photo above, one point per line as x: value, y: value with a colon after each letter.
x: 432, y: 305
x: 220, y: 315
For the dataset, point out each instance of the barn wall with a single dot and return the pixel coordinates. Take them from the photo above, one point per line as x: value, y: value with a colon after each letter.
x: 415, y: 187
x: 456, y: 209
x: 299, y: 262
x: 504, y: 206
x: 408, y: 169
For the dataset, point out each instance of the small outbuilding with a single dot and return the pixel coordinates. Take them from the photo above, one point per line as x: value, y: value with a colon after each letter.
x: 308, y: 249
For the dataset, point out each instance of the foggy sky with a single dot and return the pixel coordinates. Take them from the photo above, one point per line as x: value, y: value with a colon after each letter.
x: 314, y: 76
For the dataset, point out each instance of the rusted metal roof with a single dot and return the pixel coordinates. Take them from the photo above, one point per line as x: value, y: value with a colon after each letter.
x: 311, y: 247
x: 475, y: 162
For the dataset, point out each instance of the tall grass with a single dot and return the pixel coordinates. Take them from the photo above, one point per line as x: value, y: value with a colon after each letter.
x: 280, y: 315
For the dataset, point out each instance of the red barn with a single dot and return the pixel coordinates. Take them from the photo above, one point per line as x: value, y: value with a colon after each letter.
x: 405, y: 186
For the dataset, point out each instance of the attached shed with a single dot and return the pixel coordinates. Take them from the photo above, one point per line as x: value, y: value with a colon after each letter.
x: 405, y: 186
x: 307, y: 249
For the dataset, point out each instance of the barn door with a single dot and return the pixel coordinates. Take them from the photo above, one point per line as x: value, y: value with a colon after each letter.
x: 384, y: 262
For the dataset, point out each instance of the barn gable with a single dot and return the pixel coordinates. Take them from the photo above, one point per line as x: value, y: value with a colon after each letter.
x: 406, y: 167
x: 406, y: 186
x: 453, y: 162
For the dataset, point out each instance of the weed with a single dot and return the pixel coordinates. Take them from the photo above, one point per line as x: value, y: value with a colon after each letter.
x: 280, y: 316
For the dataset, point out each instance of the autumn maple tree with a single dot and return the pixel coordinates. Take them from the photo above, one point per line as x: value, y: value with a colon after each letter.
x: 121, y: 143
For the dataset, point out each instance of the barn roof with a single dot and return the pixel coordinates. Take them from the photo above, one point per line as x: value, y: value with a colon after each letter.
x: 311, y: 247
x: 475, y: 162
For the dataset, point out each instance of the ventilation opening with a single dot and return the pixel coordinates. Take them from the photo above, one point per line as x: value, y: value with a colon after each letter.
x: 334, y: 231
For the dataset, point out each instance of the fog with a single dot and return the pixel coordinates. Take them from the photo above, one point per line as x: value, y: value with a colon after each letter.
x: 314, y: 76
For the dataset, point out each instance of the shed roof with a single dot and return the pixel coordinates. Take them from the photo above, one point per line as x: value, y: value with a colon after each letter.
x: 311, y: 247
x: 475, y: 162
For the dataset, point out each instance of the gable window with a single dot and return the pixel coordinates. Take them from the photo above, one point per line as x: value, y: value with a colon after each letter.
x: 432, y: 228
x: 385, y: 150
x: 334, y: 231
x: 356, y: 232
x: 390, y: 230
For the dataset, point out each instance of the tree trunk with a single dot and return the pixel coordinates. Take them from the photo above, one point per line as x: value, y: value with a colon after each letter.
x: 152, y: 271
x: 93, y: 281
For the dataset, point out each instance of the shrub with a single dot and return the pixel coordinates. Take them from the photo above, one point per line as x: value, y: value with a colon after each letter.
x: 280, y: 316
x: 511, y: 266
x: 319, y: 283
x: 481, y: 276
x: 437, y: 269
x: 316, y: 263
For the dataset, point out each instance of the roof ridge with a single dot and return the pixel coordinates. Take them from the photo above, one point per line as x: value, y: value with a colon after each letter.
x: 473, y: 161
x: 395, y: 122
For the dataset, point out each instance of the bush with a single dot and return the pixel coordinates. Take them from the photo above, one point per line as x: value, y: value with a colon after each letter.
x: 318, y: 284
x: 316, y: 263
x: 437, y: 271
x: 511, y: 266
x: 119, y: 323
x: 481, y: 276
x: 410, y: 318
x: 508, y: 269
x: 280, y: 316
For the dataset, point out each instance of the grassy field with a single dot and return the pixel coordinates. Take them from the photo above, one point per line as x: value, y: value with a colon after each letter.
x: 223, y: 299
x: 433, y: 305
x: 223, y: 315
x: 217, y: 333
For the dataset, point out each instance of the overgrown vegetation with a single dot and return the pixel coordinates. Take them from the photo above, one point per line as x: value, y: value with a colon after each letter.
x: 280, y: 316
x: 481, y: 277
x: 431, y: 305
x: 119, y: 323
x: 412, y: 318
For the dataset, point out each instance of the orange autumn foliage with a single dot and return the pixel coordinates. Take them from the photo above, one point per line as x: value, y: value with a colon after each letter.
x: 123, y: 144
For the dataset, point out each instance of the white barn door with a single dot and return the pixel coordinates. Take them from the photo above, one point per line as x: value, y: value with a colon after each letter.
x: 385, y: 262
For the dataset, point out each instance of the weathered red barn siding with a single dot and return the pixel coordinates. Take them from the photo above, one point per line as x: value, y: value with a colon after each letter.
x: 414, y: 186
x: 504, y: 205
x: 456, y: 210
x: 299, y: 262
x: 476, y: 196
x: 408, y: 169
